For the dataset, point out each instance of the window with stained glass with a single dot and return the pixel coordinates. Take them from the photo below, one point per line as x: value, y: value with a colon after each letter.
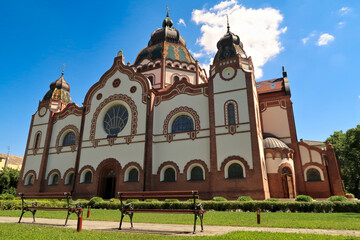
x: 231, y: 114
x: 235, y: 170
x: 313, y: 175
x: 183, y: 123
x: 69, y: 139
x: 197, y: 174
x: 115, y: 120
x: 169, y: 175
x: 133, y: 175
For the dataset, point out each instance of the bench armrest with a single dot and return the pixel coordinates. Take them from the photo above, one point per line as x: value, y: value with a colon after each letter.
x: 128, y: 206
x: 199, y: 206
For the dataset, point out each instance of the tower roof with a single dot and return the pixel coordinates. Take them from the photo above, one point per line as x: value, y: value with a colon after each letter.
x: 168, y: 42
x: 59, y: 90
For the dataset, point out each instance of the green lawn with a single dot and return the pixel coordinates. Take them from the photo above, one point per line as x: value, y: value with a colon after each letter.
x: 24, y: 231
x: 348, y: 221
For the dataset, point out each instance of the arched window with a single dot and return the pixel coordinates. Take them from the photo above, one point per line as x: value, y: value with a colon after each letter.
x: 169, y: 175
x: 138, y: 69
x: 176, y: 78
x: 88, y: 177
x: 184, y: 67
x: 115, y: 120
x: 37, y: 140
x: 54, y: 179
x: 183, y: 79
x: 157, y: 65
x: 69, y: 139
x: 313, y: 175
x: 183, y: 123
x: 169, y: 64
x: 231, y: 114
x: 285, y: 170
x: 30, y: 180
x: 197, y: 174
x: 151, y: 79
x: 235, y: 171
x: 176, y: 65
x: 133, y: 175
x: 69, y: 179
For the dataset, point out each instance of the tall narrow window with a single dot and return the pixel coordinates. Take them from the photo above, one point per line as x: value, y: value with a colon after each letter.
x: 231, y: 114
x: 37, y: 140
x: 151, y: 79
x: 183, y: 123
x: 69, y: 139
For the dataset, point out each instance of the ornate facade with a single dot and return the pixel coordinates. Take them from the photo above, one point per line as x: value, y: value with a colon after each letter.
x: 163, y: 123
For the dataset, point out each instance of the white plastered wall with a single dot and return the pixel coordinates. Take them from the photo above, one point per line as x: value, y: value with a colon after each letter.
x: 169, y: 72
x: 238, y: 82
x: 315, y: 156
x: 305, y: 156
x: 182, y: 149
x: 275, y: 121
x: 273, y: 164
x: 123, y: 152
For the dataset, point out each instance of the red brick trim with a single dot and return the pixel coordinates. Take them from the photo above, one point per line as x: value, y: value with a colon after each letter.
x: 116, y: 83
x: 66, y: 130
x: 317, y: 166
x: 109, y: 163
x: 118, y: 66
x: 70, y: 109
x: 131, y: 104
x: 132, y: 165
x: 169, y: 163
x: 197, y: 162
x: 29, y: 172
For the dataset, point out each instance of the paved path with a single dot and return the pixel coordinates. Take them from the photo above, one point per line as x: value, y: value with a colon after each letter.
x: 173, y: 229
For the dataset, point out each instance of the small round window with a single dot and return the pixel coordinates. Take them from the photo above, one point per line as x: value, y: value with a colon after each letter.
x: 115, y: 120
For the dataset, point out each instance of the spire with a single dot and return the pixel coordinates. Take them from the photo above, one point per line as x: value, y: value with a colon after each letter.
x: 62, y: 73
x: 167, y: 7
x: 167, y: 21
x: 228, y: 25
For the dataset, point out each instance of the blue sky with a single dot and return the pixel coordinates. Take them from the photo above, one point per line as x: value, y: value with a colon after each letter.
x: 316, y: 41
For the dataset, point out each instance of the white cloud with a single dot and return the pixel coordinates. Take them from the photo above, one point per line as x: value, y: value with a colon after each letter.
x: 341, y: 24
x: 182, y: 22
x: 306, y: 39
x: 325, y: 39
x: 344, y: 10
x: 258, y: 29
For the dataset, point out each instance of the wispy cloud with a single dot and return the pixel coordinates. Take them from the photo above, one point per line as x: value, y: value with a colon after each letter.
x: 344, y: 10
x: 182, y: 22
x: 325, y: 39
x: 306, y: 39
x: 259, y: 29
x: 341, y: 24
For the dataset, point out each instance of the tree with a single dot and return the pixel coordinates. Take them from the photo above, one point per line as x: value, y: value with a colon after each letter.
x: 347, y: 150
x: 8, y: 180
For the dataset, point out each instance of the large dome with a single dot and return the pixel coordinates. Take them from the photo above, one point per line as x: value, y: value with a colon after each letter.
x: 168, y: 42
x: 273, y: 143
x: 229, y: 46
x: 59, y: 90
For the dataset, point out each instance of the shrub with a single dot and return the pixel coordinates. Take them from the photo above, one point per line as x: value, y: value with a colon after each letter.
x: 171, y: 200
x: 151, y: 200
x: 95, y: 200
x: 303, y: 198
x: 132, y: 200
x: 244, y: 198
x: 219, y: 199
x: 7, y: 196
x: 337, y: 199
x: 272, y: 200
x: 349, y: 195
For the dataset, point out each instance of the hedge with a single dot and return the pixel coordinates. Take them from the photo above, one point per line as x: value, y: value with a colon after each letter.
x: 251, y: 206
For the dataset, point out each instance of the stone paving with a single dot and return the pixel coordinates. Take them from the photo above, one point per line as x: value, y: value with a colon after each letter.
x: 172, y: 229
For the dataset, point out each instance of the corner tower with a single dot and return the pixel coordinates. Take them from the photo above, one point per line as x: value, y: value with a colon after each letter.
x: 235, y: 121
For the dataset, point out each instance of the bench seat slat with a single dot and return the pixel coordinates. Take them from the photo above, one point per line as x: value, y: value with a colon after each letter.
x: 158, y: 196
x: 48, y: 208
x: 161, y: 192
x: 47, y: 197
x: 184, y: 211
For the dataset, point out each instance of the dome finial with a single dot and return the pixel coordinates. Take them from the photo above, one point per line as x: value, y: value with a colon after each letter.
x: 167, y: 21
x: 62, y: 73
x: 228, y: 25
x: 167, y: 14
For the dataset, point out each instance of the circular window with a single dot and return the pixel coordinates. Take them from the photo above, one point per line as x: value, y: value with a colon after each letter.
x: 115, y: 120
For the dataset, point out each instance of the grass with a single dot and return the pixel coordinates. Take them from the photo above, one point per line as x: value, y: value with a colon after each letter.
x: 24, y: 231
x: 348, y: 221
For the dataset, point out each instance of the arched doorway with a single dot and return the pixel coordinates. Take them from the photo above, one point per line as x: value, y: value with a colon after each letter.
x: 108, y: 176
x: 287, y: 182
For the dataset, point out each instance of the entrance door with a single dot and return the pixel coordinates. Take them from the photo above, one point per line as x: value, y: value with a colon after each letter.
x: 287, y: 183
x: 109, y: 181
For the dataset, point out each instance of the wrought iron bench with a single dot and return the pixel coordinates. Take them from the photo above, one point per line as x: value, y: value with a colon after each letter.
x: 128, y: 209
x: 33, y: 206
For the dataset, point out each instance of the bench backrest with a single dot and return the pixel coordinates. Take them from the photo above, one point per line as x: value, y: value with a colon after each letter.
x: 193, y: 194
x: 48, y: 195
